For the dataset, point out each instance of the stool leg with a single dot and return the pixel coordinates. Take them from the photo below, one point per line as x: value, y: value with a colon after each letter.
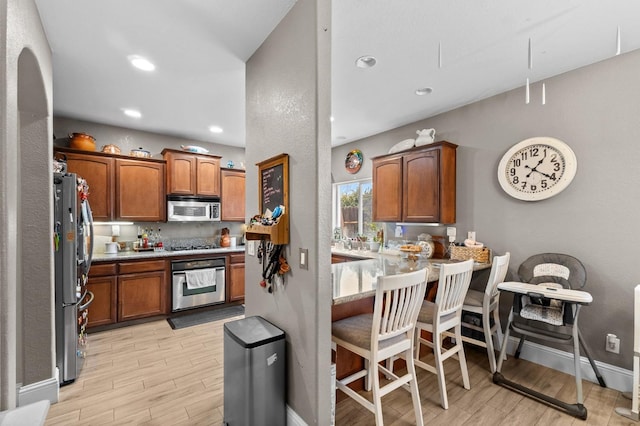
x: 505, y: 341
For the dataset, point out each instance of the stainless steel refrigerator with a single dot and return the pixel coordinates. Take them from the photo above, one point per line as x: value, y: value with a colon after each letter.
x: 73, y: 244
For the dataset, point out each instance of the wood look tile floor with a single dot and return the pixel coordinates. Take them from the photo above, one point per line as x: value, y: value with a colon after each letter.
x: 149, y: 374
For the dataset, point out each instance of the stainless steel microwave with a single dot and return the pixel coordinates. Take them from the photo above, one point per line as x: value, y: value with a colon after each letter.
x: 192, y: 209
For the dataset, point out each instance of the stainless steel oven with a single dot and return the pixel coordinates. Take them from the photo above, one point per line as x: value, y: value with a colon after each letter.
x: 197, y: 283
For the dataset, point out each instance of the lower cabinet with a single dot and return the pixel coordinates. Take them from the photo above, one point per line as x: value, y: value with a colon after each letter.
x: 141, y: 295
x: 103, y: 283
x: 236, y: 277
x: 127, y: 290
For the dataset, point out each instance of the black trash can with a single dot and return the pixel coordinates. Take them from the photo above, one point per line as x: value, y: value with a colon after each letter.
x: 254, y: 373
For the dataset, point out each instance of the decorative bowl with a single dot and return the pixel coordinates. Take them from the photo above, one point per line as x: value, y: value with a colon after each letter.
x: 82, y: 141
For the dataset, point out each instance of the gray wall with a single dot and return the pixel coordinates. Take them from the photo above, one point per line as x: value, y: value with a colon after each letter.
x: 594, y: 110
x: 26, y: 261
x: 287, y: 111
x: 128, y: 139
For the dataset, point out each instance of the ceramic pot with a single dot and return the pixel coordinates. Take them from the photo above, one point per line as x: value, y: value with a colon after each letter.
x: 82, y: 141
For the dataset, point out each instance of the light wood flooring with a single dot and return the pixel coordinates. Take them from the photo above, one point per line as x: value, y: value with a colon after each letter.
x: 149, y: 374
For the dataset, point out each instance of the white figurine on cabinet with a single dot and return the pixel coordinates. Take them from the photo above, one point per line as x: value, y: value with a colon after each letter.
x: 425, y: 136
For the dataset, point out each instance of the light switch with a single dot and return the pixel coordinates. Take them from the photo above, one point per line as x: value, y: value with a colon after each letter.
x: 304, y: 258
x: 251, y: 248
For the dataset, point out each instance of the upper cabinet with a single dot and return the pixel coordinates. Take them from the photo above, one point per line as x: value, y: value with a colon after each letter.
x: 120, y: 187
x: 192, y: 174
x: 418, y: 185
x: 98, y: 172
x: 232, y: 201
x: 140, y: 188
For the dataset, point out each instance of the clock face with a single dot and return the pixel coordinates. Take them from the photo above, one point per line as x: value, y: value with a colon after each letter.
x: 537, y: 168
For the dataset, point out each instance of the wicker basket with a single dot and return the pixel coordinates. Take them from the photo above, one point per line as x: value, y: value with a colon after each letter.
x: 480, y: 255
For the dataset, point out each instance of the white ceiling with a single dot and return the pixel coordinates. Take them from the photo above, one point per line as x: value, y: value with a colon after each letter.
x: 464, y: 50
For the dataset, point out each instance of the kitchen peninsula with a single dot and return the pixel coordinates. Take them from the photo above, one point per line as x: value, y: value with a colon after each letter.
x: 354, y: 287
x: 355, y: 280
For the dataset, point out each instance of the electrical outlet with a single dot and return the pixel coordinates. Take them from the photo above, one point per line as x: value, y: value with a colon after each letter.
x: 612, y: 344
x: 451, y: 233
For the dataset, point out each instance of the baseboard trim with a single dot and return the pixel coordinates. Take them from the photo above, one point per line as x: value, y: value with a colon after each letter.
x: 44, y: 390
x: 615, y: 377
x: 293, y: 419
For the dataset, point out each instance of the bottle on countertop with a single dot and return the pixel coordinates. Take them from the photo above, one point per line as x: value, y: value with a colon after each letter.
x: 159, y: 242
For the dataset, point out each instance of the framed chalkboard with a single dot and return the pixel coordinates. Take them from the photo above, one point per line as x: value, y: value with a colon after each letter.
x: 273, y: 176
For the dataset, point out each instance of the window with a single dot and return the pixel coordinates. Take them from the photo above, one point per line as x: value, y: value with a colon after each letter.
x: 352, y: 208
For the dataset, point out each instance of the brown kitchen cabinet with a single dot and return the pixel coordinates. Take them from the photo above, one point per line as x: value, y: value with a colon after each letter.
x: 417, y: 185
x: 140, y: 190
x: 142, y: 289
x: 232, y: 200
x: 236, y: 278
x: 192, y: 174
x: 120, y: 187
x: 98, y: 172
x: 103, y: 284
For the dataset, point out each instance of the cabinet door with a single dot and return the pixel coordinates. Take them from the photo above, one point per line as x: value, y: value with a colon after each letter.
x: 421, y: 195
x: 142, y: 295
x: 233, y: 195
x: 236, y: 281
x: 140, y: 189
x: 208, y: 176
x: 387, y: 189
x: 102, y: 310
x: 181, y: 173
x: 98, y: 172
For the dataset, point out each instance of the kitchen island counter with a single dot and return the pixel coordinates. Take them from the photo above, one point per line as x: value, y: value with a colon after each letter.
x: 356, y: 280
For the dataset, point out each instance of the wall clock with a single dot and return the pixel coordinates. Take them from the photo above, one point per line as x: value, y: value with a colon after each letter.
x: 353, y: 162
x: 537, y: 168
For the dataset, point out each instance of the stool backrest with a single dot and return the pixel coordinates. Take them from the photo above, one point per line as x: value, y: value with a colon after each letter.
x: 498, y: 273
x: 397, y: 303
x: 452, y: 286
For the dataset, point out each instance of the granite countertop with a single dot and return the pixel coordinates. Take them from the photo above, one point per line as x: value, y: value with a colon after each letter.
x: 134, y: 255
x: 356, y: 280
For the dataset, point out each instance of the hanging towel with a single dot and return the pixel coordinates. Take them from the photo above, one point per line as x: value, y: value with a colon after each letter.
x: 200, y: 278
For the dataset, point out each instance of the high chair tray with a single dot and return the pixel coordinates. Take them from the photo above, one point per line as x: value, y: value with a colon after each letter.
x: 549, y: 292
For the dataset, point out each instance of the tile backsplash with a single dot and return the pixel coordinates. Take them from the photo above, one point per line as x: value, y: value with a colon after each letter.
x: 170, y: 231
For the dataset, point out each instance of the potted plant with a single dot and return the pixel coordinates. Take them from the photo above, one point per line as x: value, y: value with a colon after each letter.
x: 377, y: 238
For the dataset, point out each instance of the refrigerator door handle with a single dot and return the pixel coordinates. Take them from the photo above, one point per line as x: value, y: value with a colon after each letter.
x: 86, y: 305
x: 90, y: 214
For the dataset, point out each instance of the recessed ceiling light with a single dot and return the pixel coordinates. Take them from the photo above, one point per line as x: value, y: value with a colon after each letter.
x: 424, y: 91
x: 133, y: 113
x: 141, y: 63
x: 331, y: 119
x: 366, y: 61
x: 215, y: 129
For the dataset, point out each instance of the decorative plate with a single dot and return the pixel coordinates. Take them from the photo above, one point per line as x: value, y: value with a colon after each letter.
x: 353, y: 162
x: 402, y: 146
x: 194, y: 148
